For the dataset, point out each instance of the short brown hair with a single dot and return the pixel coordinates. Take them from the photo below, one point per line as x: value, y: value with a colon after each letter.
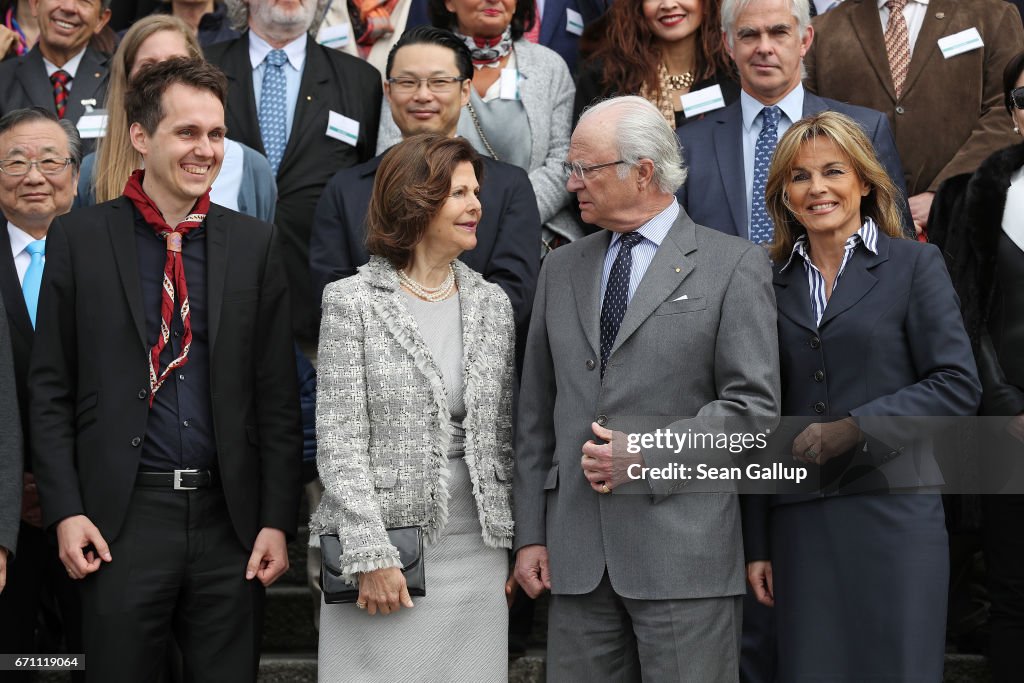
x: 882, y: 202
x: 143, y: 103
x: 412, y: 184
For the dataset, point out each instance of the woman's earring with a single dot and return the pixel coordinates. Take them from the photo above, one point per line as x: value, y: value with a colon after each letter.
x: 1016, y: 130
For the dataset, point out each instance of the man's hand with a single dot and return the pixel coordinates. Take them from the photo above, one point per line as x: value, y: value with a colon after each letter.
x: 759, y: 575
x: 511, y: 589
x: 3, y: 568
x: 74, y: 534
x: 269, y: 557
x: 819, y: 443
x: 31, y: 512
x: 532, y: 570
x: 920, y: 207
x: 603, y: 466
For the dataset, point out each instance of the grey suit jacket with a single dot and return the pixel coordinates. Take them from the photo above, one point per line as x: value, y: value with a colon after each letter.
x: 11, y: 455
x: 25, y: 84
x: 715, y: 192
x: 711, y: 355
x: 547, y: 91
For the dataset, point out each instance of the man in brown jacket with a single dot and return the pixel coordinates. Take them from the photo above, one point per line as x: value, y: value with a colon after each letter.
x: 944, y: 98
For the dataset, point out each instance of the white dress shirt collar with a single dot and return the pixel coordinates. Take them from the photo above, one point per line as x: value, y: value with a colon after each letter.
x: 70, y: 66
x: 19, y: 240
x: 295, y: 50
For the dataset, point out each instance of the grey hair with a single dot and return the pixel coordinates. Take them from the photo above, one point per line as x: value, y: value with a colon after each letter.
x: 20, y: 116
x: 641, y: 132
x: 238, y: 15
x: 732, y: 9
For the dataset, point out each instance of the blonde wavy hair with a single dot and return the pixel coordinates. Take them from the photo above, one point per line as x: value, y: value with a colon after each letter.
x: 883, y: 202
x: 115, y: 156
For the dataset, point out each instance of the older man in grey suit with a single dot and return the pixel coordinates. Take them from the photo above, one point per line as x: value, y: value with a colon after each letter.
x: 654, y: 316
x: 10, y: 452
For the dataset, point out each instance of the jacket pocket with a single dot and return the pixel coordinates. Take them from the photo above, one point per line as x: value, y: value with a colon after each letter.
x: 697, y: 303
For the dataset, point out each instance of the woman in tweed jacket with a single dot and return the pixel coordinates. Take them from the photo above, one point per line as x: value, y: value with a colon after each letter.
x: 391, y: 451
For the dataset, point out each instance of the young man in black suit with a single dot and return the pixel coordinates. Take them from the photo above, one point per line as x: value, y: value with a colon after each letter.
x: 164, y: 407
x: 311, y: 110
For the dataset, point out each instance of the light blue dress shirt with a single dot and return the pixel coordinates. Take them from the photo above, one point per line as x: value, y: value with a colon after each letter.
x: 296, y: 51
x: 653, y: 233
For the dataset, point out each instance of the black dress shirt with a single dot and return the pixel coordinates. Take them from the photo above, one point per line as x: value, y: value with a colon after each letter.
x: 179, y: 433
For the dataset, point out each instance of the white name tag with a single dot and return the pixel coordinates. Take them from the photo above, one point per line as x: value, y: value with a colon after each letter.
x: 958, y: 43
x: 342, y: 128
x: 335, y: 36
x: 508, y: 86
x: 573, y: 22
x: 702, y: 101
x: 93, y: 125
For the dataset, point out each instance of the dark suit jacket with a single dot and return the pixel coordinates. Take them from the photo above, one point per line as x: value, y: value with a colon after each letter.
x: 715, y: 192
x: 19, y: 324
x: 90, y: 380
x: 553, y: 33
x: 11, y: 445
x: 891, y: 343
x: 331, y: 81
x: 508, y: 236
x: 950, y: 116
x: 25, y: 84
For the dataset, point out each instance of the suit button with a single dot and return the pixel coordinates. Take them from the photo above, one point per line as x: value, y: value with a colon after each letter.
x: 591, y: 364
x: 815, y: 342
x: 143, y: 394
x: 136, y: 441
x: 900, y: 110
x: 819, y: 376
x: 819, y: 407
x: 602, y: 420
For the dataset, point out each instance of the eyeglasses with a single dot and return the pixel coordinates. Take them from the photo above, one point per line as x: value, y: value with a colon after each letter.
x: 436, y: 84
x: 575, y: 168
x: 1017, y: 98
x: 20, y: 167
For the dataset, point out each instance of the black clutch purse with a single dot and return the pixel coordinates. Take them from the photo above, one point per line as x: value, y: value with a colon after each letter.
x: 408, y: 540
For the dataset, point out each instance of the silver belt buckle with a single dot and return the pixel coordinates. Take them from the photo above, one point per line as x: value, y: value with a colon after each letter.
x: 177, y: 480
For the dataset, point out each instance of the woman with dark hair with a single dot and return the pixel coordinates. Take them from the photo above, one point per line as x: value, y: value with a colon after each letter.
x: 520, y: 105
x: 978, y: 220
x: 660, y: 50
x: 869, y: 332
x: 414, y: 430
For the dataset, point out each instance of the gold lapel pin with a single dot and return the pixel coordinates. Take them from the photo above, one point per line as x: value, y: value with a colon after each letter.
x: 940, y: 15
x: 309, y: 98
x: 679, y: 270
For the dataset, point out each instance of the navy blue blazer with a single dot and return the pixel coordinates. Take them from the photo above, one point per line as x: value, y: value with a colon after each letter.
x: 891, y: 343
x: 508, y: 236
x: 715, y: 192
x: 554, y: 33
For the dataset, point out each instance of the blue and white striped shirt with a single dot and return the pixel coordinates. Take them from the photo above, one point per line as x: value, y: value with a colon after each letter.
x: 653, y: 232
x: 867, y: 236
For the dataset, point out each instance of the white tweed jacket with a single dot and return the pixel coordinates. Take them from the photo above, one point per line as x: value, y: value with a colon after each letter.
x: 382, y: 416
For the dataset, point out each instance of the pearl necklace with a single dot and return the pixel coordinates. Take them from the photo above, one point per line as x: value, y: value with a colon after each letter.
x: 432, y: 294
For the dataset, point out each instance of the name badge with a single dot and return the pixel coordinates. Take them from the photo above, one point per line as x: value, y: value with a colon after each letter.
x: 573, y: 22
x: 342, y: 128
x: 702, y: 101
x: 93, y: 125
x: 335, y: 36
x: 508, y: 86
x: 958, y: 43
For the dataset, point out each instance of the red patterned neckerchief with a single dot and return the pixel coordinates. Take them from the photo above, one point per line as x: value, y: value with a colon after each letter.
x: 174, y: 275
x: 488, y: 52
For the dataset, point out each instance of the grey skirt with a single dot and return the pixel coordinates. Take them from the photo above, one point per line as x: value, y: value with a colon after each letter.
x: 457, y: 632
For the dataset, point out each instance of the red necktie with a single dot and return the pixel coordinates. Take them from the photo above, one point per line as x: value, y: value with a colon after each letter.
x: 60, y: 91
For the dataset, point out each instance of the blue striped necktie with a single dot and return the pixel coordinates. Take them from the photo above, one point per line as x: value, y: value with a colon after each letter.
x: 33, y: 278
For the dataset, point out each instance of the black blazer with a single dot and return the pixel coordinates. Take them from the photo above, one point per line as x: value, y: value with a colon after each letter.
x: 331, y: 81
x: 89, y: 381
x: 891, y: 343
x: 508, y: 237
x: 20, y: 326
x: 25, y: 84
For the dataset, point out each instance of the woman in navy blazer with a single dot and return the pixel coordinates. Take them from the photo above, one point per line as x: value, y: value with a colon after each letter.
x: 869, y: 327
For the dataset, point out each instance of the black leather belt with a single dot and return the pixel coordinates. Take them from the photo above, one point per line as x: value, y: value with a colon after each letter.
x: 181, y: 480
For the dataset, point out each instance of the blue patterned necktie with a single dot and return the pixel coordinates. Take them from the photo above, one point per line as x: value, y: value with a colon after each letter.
x: 761, y: 228
x: 33, y: 278
x: 616, y: 295
x: 273, y: 115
